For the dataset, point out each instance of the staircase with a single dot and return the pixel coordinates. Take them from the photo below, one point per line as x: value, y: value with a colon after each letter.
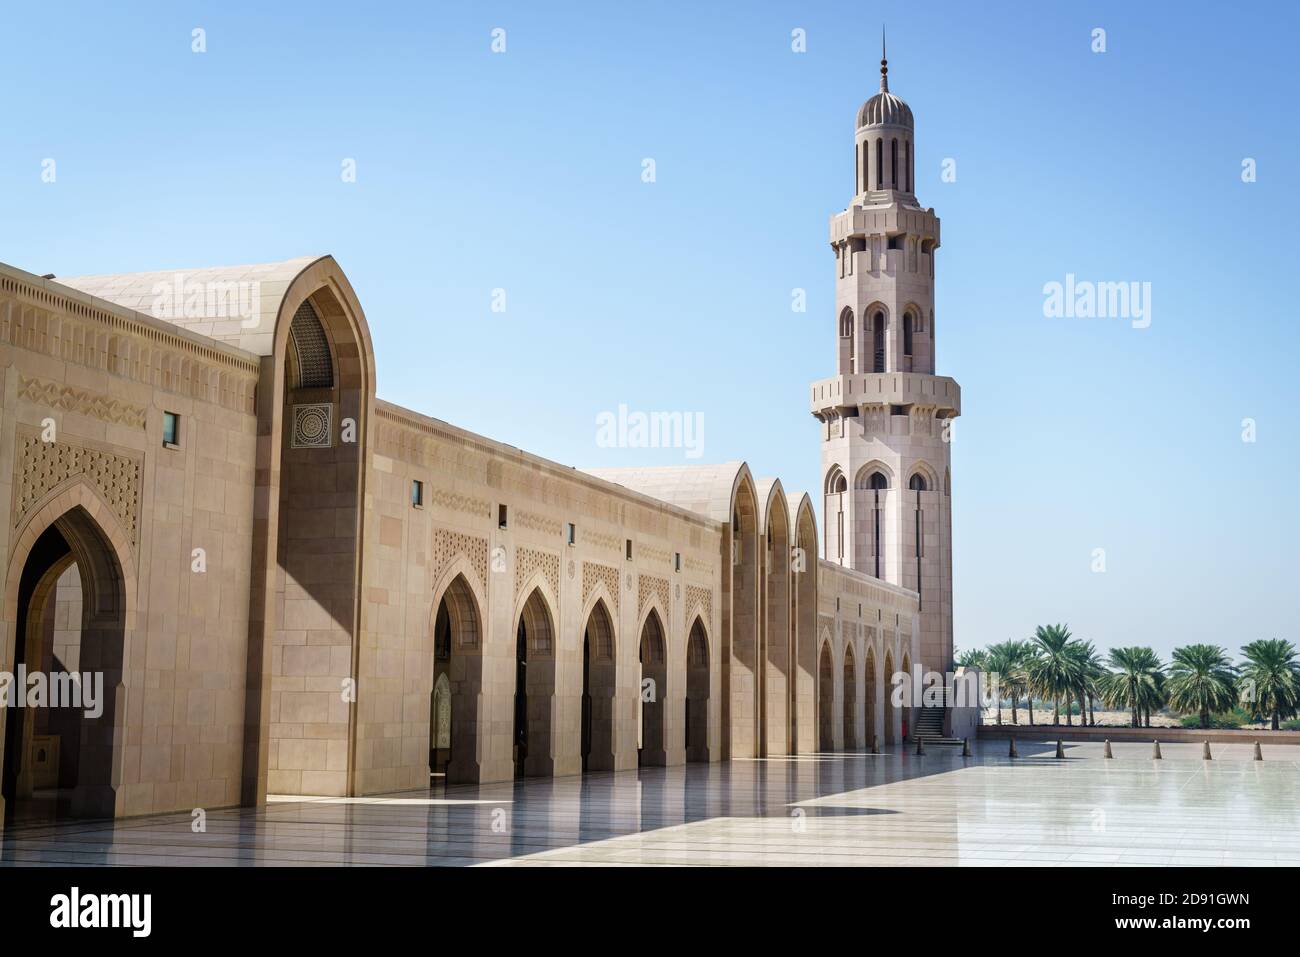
x: 929, y: 728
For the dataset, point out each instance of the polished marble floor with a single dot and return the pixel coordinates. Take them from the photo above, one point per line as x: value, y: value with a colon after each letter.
x: 893, y: 809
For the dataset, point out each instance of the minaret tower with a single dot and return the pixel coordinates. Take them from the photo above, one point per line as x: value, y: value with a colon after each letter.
x: 886, y: 418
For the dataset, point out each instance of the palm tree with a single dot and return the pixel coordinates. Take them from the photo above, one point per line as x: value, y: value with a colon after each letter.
x: 1135, y: 682
x: 1090, y: 670
x: 1201, y: 679
x: 1012, y: 676
x: 1271, y: 679
x: 1053, y: 672
x: 975, y: 658
x: 998, y: 663
x: 1020, y: 677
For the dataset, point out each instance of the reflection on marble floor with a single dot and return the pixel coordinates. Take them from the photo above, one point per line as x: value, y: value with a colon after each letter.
x: 834, y: 809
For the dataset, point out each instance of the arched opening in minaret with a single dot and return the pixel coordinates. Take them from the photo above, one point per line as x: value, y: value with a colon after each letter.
x: 876, y: 485
x: 907, y: 163
x: 847, y: 355
x: 878, y: 341
x: 850, y: 699
x: 893, y: 163
x: 826, y: 700
x: 909, y: 327
x: 918, y: 484
x: 880, y: 163
x: 833, y: 514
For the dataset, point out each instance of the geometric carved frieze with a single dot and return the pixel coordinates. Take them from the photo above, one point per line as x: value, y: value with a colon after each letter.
x: 703, y: 597
x: 72, y: 399
x: 610, y: 542
x: 651, y: 588
x: 40, y: 466
x: 594, y: 574
x: 539, y: 523
x: 460, y: 503
x: 528, y: 561
x: 448, y: 545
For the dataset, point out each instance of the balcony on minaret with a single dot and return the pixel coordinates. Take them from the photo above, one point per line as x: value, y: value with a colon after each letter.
x: 885, y: 388
x: 867, y: 221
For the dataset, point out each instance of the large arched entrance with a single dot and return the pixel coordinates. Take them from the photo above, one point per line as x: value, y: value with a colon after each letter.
x: 826, y: 700
x: 654, y: 683
x: 306, y: 584
x: 457, y: 684
x: 803, y: 730
x: 740, y: 691
x: 534, y: 688
x: 850, y: 699
x: 598, y: 686
x: 697, y: 693
x: 70, y: 596
x: 774, y: 700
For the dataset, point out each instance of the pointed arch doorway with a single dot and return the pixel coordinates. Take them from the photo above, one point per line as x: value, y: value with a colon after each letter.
x: 70, y: 593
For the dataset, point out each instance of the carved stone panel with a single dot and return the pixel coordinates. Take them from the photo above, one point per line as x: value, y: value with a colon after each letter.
x: 41, y: 466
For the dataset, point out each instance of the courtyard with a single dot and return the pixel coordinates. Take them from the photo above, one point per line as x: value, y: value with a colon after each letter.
x: 849, y: 809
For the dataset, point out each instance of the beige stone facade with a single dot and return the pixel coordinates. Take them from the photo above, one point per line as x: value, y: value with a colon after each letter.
x: 293, y: 587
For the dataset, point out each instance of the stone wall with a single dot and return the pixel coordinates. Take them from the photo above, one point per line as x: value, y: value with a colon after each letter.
x: 84, y: 390
x: 414, y: 552
x: 880, y: 623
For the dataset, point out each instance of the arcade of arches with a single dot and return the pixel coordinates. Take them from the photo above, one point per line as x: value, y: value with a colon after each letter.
x: 288, y: 586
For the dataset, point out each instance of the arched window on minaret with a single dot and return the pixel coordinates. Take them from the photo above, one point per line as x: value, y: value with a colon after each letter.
x: 880, y: 163
x: 907, y: 165
x: 878, y: 342
x: 909, y: 326
x: 878, y: 483
x: 847, y: 363
x: 864, y: 178
x: 893, y: 164
x: 918, y: 485
x: 836, y: 486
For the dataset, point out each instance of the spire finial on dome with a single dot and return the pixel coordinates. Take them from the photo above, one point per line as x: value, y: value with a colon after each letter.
x: 884, y: 63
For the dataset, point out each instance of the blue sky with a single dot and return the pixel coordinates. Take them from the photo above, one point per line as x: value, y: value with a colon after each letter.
x: 522, y: 171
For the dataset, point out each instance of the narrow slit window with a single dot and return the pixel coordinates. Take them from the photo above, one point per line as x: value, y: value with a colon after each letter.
x: 417, y: 493
x: 171, y: 429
